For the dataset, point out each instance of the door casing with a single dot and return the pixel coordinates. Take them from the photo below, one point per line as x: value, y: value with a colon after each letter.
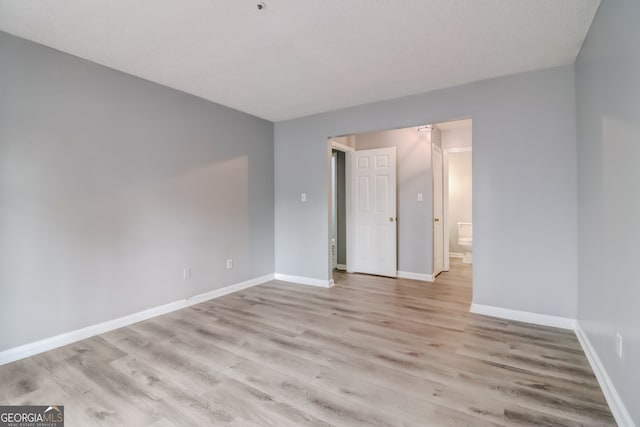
x: 438, y: 210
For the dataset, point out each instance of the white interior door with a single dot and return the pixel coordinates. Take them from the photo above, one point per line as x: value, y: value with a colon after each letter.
x: 438, y: 210
x: 371, y: 212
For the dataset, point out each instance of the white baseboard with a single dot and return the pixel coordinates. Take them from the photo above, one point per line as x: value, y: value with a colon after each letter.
x: 341, y: 267
x: 415, y: 276
x: 619, y: 411
x: 304, y: 280
x: 50, y: 343
x: 524, y: 316
x: 456, y: 255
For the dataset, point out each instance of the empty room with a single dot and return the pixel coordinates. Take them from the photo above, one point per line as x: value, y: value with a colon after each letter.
x: 323, y: 213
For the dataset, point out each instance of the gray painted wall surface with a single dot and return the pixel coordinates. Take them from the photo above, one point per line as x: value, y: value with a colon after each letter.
x: 110, y: 185
x: 415, y: 251
x: 608, y: 111
x: 524, y: 184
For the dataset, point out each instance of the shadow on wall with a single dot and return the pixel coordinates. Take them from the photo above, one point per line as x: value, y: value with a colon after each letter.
x: 131, y: 241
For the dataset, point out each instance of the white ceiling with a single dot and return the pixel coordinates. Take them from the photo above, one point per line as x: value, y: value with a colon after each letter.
x: 299, y: 57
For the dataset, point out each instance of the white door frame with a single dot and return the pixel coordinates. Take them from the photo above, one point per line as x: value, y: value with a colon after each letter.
x: 333, y: 145
x: 340, y: 147
x: 445, y: 197
x: 334, y: 207
x: 433, y: 213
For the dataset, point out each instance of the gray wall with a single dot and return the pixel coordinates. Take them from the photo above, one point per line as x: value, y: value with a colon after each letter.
x: 524, y: 184
x: 110, y: 185
x: 460, y: 195
x: 608, y: 100
x: 413, y: 150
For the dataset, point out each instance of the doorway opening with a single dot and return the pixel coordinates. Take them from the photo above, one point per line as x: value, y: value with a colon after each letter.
x: 385, y: 173
x: 453, y: 205
x: 400, y: 200
x: 339, y: 147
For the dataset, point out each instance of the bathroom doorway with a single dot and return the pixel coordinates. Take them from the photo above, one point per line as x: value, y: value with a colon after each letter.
x: 457, y: 185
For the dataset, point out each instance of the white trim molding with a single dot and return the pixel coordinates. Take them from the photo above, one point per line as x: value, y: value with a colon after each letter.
x: 56, y: 341
x: 619, y: 411
x: 445, y: 211
x: 458, y: 149
x: 304, y: 280
x: 415, y: 276
x: 341, y: 267
x: 524, y: 316
x: 341, y: 147
x: 456, y: 255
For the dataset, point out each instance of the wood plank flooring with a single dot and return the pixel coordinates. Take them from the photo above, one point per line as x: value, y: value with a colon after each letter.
x: 370, y: 351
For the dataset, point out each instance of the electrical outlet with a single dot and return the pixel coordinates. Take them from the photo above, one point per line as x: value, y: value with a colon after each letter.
x: 303, y: 197
x: 419, y: 197
x: 618, y: 344
x: 186, y: 273
x: 229, y: 264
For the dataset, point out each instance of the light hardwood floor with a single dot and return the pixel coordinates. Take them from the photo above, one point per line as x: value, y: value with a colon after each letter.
x: 370, y: 351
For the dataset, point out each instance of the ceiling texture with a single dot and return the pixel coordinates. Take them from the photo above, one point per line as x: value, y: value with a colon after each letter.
x: 299, y: 57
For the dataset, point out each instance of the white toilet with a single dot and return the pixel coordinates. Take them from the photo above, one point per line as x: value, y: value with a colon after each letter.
x: 465, y: 241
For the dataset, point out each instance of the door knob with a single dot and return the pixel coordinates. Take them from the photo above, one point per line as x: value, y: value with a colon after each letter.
x: 391, y: 219
x: 436, y: 219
